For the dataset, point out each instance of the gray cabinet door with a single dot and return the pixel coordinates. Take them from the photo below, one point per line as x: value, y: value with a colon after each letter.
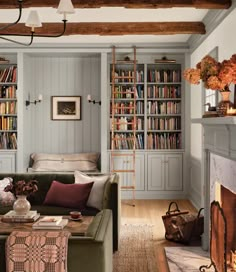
x: 7, y: 162
x: 164, y: 172
x: 156, y: 179
x: 126, y: 163
x: 173, y: 172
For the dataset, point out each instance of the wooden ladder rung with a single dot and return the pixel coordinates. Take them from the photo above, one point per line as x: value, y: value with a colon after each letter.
x: 124, y: 77
x: 123, y: 171
x: 128, y: 187
x: 123, y: 92
x: 121, y: 155
x: 126, y: 138
x: 122, y: 123
x: 123, y: 107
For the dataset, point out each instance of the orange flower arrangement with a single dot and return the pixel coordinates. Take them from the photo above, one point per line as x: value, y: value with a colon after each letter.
x: 215, y: 75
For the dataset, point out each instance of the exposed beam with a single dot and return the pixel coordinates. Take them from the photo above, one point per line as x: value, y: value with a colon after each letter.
x: 200, y: 4
x: 124, y: 28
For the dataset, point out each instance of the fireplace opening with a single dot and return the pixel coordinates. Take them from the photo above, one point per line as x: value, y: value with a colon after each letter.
x: 222, y: 231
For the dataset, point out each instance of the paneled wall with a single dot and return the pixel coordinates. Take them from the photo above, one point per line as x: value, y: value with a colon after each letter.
x: 70, y: 75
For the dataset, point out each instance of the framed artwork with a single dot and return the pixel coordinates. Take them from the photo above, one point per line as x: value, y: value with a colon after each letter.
x: 66, y: 107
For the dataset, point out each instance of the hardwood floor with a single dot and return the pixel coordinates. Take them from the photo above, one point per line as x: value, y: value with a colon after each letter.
x: 150, y: 212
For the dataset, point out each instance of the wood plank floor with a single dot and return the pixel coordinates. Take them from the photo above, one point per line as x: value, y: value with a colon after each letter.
x: 150, y: 212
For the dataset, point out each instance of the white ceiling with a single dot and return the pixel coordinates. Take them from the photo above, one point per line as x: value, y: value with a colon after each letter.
x: 113, y: 15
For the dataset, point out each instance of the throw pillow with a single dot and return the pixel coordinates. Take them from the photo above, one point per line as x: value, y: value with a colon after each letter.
x: 65, y: 162
x: 68, y: 195
x: 96, y: 195
x: 6, y: 198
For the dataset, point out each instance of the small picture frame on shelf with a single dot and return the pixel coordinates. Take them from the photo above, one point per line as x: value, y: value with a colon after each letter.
x: 66, y: 108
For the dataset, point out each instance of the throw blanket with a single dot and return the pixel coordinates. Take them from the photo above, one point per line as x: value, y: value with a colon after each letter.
x: 37, y: 251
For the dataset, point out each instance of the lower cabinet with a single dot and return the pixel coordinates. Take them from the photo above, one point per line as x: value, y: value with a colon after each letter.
x: 161, y: 172
x: 126, y: 163
x: 164, y: 172
x: 7, y: 162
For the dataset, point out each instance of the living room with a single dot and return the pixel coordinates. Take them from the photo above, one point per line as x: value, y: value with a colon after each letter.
x: 80, y: 65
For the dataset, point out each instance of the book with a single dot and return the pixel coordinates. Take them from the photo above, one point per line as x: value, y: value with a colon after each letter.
x: 59, y: 226
x: 12, y: 214
x: 50, y: 221
x: 20, y: 219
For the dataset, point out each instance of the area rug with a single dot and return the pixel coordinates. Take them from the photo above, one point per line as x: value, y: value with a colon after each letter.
x: 136, y: 250
x: 186, y: 258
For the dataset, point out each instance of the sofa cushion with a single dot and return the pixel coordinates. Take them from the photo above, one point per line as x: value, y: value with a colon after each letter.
x: 68, y: 195
x: 6, y: 198
x: 65, y: 162
x: 95, y: 199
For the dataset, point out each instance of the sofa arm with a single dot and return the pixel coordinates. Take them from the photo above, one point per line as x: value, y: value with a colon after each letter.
x: 112, y: 200
x: 93, y: 252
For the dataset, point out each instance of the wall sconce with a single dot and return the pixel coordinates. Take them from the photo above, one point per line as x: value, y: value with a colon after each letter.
x: 28, y: 102
x: 89, y: 98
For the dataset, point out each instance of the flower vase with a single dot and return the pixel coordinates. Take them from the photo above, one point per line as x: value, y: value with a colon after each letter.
x: 224, y: 104
x: 21, y: 206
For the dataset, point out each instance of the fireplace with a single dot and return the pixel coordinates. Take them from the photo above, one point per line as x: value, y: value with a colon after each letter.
x: 222, y: 176
x: 219, y: 174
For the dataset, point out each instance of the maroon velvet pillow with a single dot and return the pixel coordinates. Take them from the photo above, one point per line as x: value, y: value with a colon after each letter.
x: 68, y: 195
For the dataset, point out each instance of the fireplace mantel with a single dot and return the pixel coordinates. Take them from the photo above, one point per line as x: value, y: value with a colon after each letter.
x: 219, y: 135
x: 229, y: 120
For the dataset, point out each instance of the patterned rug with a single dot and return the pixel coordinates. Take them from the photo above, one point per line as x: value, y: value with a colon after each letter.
x: 136, y: 250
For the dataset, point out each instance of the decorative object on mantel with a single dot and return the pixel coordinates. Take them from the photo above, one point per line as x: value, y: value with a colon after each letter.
x: 216, y: 76
x: 211, y: 111
x: 21, y: 189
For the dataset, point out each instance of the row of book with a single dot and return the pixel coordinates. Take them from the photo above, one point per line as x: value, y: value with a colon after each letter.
x: 8, y: 141
x: 126, y: 123
x: 8, y: 107
x: 125, y: 141
x: 163, y: 123
x: 168, y: 107
x: 127, y: 107
x: 128, y: 92
x: 8, y: 74
x: 156, y: 91
x: 164, y: 76
x: 8, y: 123
x: 164, y: 141
x: 7, y: 91
x: 130, y: 74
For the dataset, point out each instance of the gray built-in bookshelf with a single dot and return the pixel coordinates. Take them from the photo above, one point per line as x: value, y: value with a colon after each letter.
x: 158, y: 106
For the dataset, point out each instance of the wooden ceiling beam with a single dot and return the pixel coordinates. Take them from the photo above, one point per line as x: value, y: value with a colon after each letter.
x: 200, y: 4
x: 123, y: 28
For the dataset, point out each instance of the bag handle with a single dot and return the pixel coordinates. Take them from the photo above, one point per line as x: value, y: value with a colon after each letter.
x: 172, y: 211
x: 199, y: 213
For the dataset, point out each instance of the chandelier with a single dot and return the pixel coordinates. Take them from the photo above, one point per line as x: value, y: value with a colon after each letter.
x: 33, y: 21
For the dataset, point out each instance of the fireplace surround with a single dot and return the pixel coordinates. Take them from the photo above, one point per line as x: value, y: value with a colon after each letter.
x: 219, y: 172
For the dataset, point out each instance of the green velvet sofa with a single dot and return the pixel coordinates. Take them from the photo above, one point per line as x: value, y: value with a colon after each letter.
x: 111, y: 197
x: 89, y: 253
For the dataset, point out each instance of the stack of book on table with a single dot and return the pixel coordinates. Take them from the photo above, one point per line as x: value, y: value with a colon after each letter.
x: 50, y: 222
x: 12, y: 217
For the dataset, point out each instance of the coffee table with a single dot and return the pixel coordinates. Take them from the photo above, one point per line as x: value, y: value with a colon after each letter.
x: 76, y: 228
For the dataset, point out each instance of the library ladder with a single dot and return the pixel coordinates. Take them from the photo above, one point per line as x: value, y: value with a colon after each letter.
x: 129, y: 125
